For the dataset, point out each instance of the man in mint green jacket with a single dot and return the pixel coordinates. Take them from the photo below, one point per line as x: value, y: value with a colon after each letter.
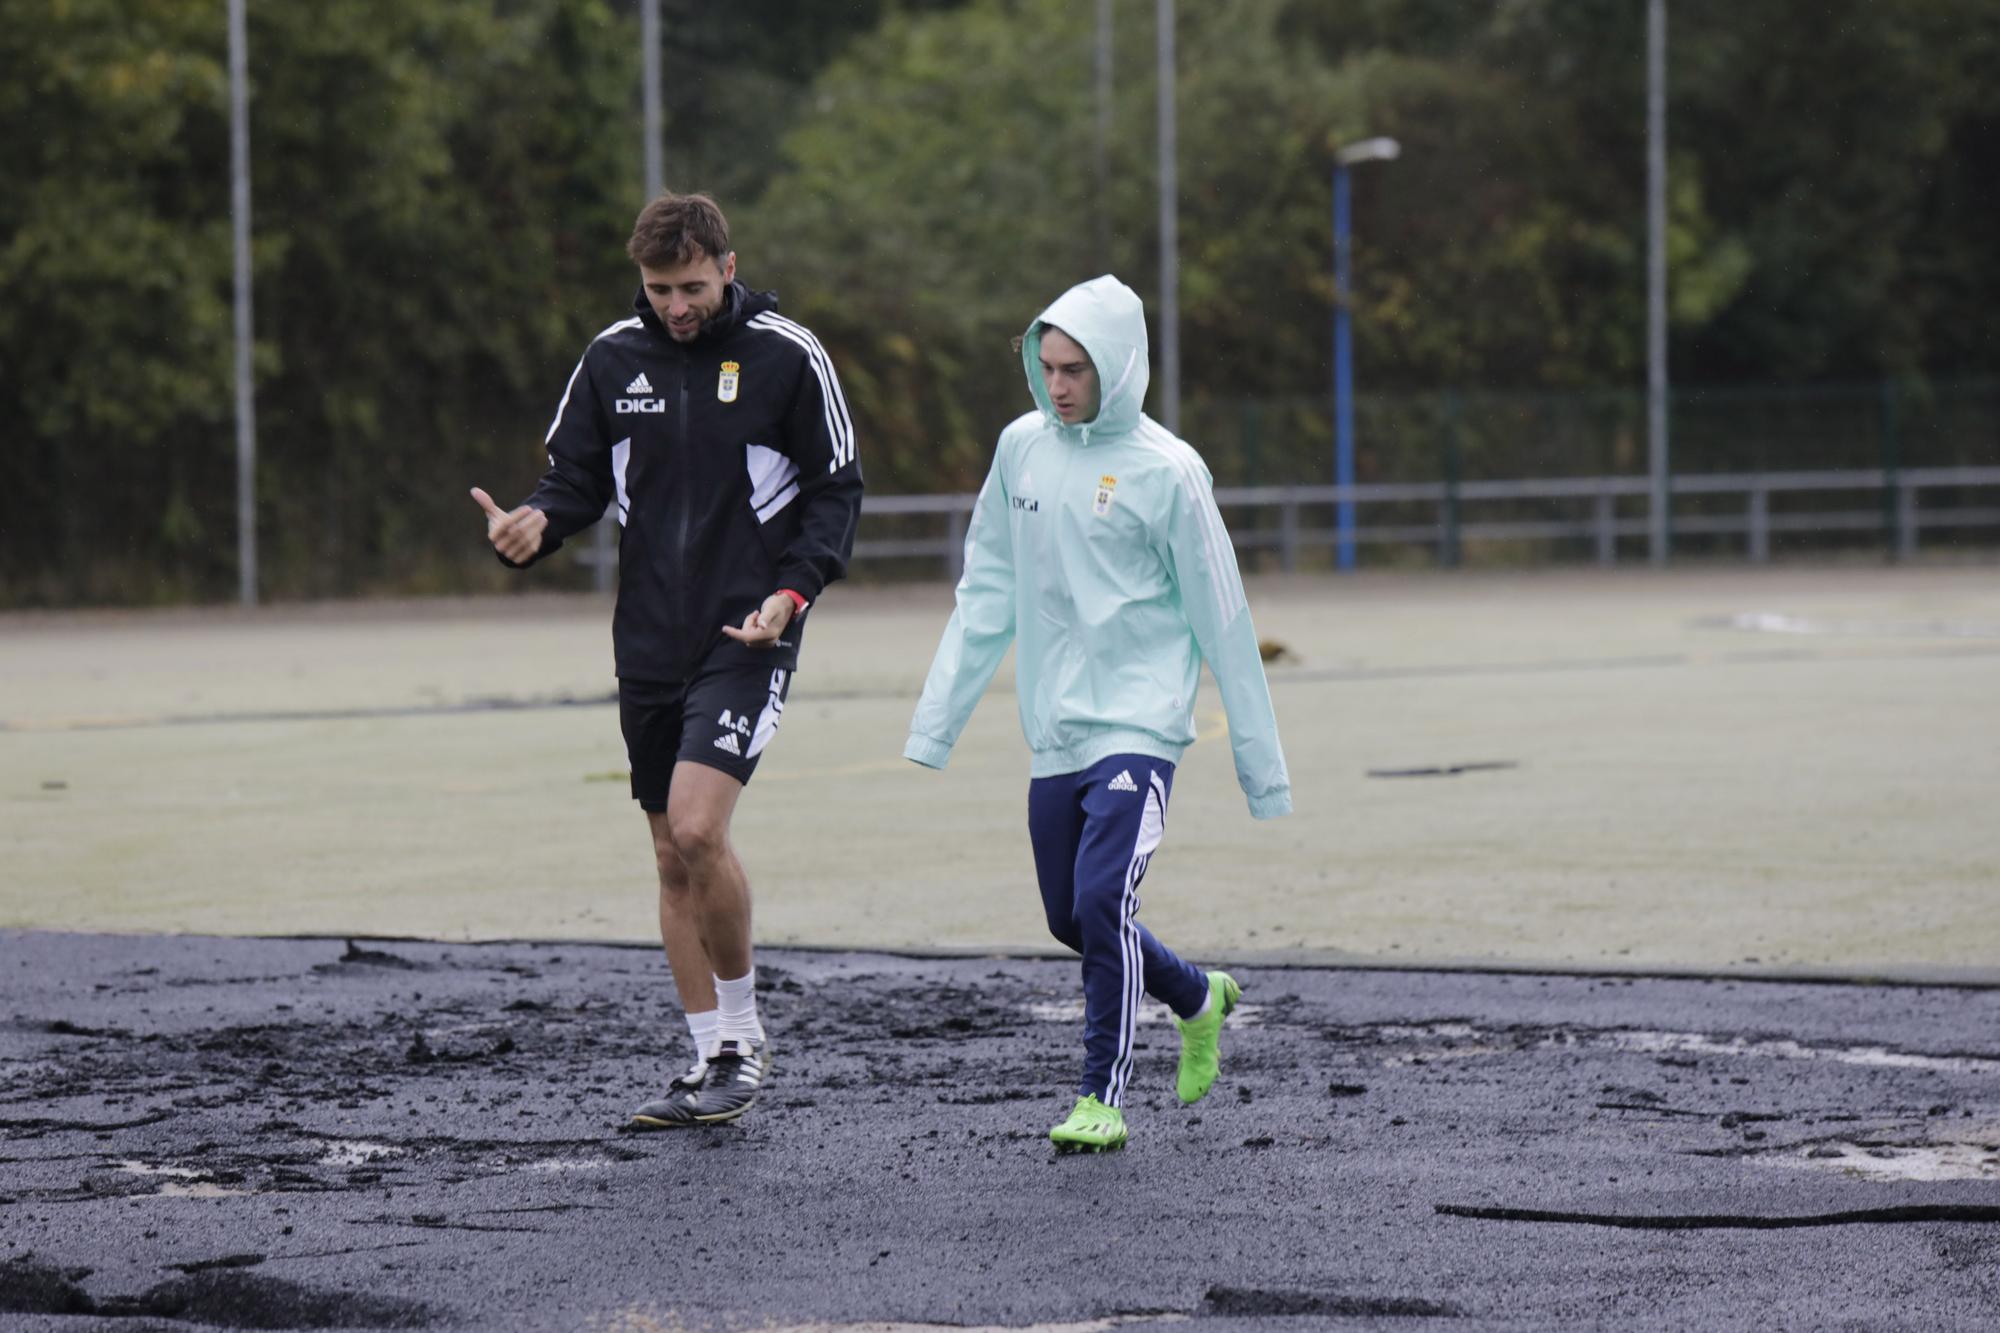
x: 1097, y: 549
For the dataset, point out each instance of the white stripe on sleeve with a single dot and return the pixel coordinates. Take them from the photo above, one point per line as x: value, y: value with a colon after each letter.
x: 1220, y: 554
x: 829, y: 380
x: 563, y: 406
x: 839, y: 426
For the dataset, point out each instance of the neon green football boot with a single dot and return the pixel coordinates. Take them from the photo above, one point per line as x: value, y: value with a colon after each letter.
x: 1091, y: 1127
x: 1201, y: 1037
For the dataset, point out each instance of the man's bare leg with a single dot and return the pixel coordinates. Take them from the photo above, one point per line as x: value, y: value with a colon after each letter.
x: 705, y: 928
x: 694, y: 979
x: 700, y: 803
x: 680, y: 924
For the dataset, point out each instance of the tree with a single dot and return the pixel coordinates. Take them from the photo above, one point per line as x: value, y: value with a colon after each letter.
x: 942, y: 193
x: 114, y: 254
x: 435, y: 187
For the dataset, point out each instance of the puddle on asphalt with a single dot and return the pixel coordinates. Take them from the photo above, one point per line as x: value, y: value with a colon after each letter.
x: 199, y: 1189
x: 1429, y: 1031
x: 178, y: 1182
x: 1452, y: 1040
x: 356, y: 1152
x: 1696, y: 1043
x: 1464, y: 1040
x: 569, y: 1164
x: 637, y: 1321
x: 481, y: 1028
x: 1431, y: 1055
x: 1082, y: 1326
x: 1450, y: 1033
x: 24, y: 1071
x: 1928, y: 1161
x: 1071, y: 1011
x: 138, y: 1168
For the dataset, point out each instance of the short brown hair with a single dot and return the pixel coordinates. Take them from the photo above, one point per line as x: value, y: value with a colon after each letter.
x: 678, y: 229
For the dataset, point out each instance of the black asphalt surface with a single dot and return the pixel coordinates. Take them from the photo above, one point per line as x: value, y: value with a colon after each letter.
x: 316, y: 1134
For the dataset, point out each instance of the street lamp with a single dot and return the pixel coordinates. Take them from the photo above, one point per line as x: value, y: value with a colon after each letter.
x: 1368, y: 150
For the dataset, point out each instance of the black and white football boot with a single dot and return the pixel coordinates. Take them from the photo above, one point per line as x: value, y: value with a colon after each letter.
x: 676, y: 1109
x: 735, y: 1073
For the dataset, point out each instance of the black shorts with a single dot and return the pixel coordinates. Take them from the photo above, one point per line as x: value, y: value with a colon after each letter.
x: 723, y: 717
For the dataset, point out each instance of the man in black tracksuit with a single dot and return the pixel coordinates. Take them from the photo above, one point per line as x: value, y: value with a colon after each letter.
x: 718, y: 429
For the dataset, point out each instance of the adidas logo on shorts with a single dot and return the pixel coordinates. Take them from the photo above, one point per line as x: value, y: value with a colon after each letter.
x: 1123, y: 782
x: 727, y: 741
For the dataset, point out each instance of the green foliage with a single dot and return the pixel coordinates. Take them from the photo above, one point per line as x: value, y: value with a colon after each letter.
x: 936, y: 197
x: 434, y: 188
x: 1880, y: 122
x: 942, y: 190
x: 1831, y: 161
x: 114, y: 330
x: 445, y: 179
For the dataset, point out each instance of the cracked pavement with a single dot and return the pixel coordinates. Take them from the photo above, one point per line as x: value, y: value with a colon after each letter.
x: 280, y: 1133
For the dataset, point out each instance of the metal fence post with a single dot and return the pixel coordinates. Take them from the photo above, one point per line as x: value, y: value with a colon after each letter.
x: 1288, y: 536
x: 1906, y: 520
x: 1892, y: 496
x: 1253, y: 470
x: 239, y: 222
x: 1660, y: 522
x: 1448, y: 551
x: 1604, y: 516
x: 1760, y: 525
x: 955, y: 522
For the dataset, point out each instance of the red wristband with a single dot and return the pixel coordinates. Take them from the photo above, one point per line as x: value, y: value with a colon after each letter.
x: 798, y: 602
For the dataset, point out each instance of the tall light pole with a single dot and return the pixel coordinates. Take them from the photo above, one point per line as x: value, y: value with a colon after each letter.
x: 1170, y: 236
x: 649, y: 41
x: 1368, y: 150
x: 1659, y: 526
x: 1103, y: 144
x: 239, y: 221
x: 603, y: 539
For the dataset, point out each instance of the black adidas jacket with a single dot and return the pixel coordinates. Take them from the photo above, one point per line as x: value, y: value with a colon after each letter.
x: 731, y: 459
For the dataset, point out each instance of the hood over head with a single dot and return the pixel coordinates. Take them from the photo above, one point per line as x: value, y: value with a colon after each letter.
x: 1109, y: 320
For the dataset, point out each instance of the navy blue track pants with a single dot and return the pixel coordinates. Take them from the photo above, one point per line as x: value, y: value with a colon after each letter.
x: 1093, y: 833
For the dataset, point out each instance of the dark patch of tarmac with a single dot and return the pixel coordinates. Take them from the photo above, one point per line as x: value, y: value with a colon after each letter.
x: 305, y: 1134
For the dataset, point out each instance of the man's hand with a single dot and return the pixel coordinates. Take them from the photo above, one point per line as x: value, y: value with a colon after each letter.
x: 518, y: 535
x: 762, y: 627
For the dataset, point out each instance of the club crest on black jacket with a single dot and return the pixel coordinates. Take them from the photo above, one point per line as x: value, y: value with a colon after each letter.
x: 731, y: 462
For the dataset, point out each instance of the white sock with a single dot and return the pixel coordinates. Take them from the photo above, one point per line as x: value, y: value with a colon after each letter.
x: 702, y: 1027
x: 736, y: 1008
x: 1208, y: 998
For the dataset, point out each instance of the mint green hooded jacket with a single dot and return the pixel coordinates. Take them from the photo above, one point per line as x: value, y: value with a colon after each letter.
x: 1098, y: 551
